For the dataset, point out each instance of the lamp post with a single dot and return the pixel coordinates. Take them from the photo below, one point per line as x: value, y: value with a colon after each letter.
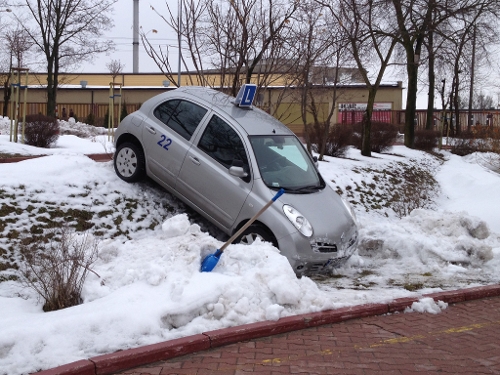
x: 179, y: 26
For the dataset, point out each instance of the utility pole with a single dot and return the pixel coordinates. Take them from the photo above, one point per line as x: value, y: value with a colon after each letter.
x: 135, y: 42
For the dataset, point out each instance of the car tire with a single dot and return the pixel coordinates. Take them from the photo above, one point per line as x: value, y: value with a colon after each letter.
x: 129, y: 162
x: 255, y: 231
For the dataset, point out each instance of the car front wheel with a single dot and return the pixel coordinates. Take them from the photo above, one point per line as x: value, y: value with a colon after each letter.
x: 256, y: 231
x: 129, y: 162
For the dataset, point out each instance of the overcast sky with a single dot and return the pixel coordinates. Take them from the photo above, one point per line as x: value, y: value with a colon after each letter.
x: 122, y: 35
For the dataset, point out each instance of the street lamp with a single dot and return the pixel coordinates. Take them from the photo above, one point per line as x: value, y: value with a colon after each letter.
x: 179, y: 35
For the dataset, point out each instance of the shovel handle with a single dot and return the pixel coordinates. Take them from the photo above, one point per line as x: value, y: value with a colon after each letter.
x: 250, y: 222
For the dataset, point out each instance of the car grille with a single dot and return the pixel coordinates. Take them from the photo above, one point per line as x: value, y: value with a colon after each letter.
x: 323, y: 247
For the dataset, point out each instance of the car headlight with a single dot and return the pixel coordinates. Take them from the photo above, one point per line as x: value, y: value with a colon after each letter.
x: 298, y: 220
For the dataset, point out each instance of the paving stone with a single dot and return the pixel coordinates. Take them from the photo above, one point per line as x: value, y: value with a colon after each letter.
x: 462, y: 339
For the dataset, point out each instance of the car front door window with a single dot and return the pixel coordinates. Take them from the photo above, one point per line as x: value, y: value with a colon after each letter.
x: 221, y: 142
x: 205, y: 179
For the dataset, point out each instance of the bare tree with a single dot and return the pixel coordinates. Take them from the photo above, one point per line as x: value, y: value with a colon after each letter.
x: 115, y: 68
x: 67, y: 32
x: 418, y: 22
x: 17, y: 43
x: 233, y: 38
x: 483, y: 101
x: 414, y: 20
x: 319, y: 48
x: 461, y: 33
x: 372, y: 37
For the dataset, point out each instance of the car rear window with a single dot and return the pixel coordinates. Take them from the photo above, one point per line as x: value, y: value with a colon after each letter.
x: 181, y: 116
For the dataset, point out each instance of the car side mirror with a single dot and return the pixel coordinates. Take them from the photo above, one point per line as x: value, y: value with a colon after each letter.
x: 237, y: 172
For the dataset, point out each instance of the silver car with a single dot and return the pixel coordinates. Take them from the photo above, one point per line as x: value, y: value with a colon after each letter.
x: 226, y: 160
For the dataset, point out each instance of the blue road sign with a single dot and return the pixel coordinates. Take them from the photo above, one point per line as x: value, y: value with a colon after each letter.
x: 245, y: 95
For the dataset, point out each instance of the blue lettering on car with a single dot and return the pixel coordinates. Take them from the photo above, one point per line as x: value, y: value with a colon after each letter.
x: 164, y: 142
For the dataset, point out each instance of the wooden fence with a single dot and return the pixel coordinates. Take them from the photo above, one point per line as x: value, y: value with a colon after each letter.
x: 81, y: 111
x: 480, y: 117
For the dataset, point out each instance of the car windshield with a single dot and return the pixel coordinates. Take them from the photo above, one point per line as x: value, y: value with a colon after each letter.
x: 284, y: 163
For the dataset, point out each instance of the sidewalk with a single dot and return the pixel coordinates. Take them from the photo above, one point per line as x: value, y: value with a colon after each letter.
x: 366, y: 339
x: 463, y: 339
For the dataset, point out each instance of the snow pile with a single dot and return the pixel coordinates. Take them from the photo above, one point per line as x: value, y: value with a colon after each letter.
x: 427, y: 305
x: 149, y: 288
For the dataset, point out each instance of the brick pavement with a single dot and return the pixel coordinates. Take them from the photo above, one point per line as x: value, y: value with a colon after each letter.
x: 462, y: 339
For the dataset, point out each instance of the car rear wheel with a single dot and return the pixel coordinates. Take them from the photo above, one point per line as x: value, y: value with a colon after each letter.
x: 255, y: 231
x: 129, y: 162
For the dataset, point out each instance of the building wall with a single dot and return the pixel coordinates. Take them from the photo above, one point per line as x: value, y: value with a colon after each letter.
x: 90, y: 93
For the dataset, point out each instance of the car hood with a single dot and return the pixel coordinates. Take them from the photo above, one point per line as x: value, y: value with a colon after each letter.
x: 327, y: 213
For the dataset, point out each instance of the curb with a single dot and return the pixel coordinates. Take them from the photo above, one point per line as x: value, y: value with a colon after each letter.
x: 95, y: 157
x: 108, y: 364
x: 16, y: 159
x: 100, y: 157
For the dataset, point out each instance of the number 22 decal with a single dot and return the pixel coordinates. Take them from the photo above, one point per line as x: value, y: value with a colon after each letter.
x: 164, y: 142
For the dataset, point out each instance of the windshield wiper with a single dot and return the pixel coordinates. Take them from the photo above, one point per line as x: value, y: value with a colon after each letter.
x: 303, y: 189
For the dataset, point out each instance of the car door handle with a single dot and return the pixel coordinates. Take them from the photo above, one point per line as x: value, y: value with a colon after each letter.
x: 195, y: 160
x: 150, y: 129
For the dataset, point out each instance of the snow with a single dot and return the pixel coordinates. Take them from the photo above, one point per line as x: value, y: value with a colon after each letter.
x: 428, y: 305
x: 147, y: 286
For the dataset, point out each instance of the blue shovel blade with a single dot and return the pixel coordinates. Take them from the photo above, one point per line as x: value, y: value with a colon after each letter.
x: 210, y: 261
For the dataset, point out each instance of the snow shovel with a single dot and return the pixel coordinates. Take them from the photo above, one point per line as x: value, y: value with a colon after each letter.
x: 211, y: 260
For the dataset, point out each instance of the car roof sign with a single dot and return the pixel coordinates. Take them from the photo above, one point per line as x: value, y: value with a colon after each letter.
x: 245, y: 96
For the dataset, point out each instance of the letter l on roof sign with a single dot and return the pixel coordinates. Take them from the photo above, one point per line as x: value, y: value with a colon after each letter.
x: 245, y: 95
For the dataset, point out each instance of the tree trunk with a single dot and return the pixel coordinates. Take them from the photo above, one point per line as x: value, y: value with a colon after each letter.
x: 429, y: 124
x: 6, y: 96
x: 411, y: 100
x: 51, y: 88
x: 458, y: 125
x: 471, y: 89
x: 367, y: 125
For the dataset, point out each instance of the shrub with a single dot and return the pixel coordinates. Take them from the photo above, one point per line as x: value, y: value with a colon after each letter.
x: 90, y: 120
x: 338, y: 141
x: 106, y: 120
x: 124, y: 112
x: 56, y: 266
x: 495, y: 140
x: 41, y: 130
x: 73, y: 115
x: 426, y: 140
x: 466, y: 144
x: 383, y: 136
